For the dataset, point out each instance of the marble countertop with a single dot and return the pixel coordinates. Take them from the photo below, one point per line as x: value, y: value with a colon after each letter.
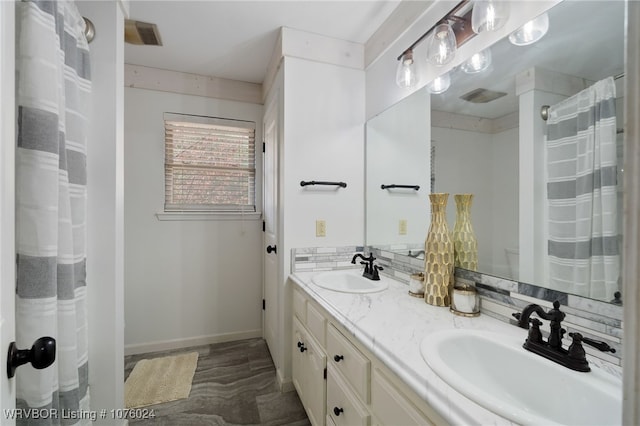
x: 392, y: 324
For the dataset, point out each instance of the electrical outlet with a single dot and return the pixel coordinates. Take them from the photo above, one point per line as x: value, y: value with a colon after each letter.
x: 402, y: 227
x: 321, y: 228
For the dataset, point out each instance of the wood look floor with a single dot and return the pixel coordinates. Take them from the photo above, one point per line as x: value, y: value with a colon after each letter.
x: 234, y: 384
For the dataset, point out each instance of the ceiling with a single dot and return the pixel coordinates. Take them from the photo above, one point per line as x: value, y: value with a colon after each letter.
x: 235, y: 39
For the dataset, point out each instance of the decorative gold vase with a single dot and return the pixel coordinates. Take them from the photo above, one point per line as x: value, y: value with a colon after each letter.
x: 438, y: 259
x: 465, y: 245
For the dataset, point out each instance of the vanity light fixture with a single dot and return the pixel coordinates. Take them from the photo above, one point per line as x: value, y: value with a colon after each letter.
x: 440, y: 84
x: 478, y: 62
x: 446, y: 35
x: 489, y: 15
x: 530, y: 32
x: 442, y: 45
x: 407, y: 73
x: 465, y: 20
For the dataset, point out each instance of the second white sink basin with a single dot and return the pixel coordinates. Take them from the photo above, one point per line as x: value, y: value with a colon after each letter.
x: 348, y: 281
x: 497, y: 373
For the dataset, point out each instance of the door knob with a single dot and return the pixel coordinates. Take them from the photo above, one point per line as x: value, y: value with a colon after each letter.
x: 41, y: 355
x: 271, y: 249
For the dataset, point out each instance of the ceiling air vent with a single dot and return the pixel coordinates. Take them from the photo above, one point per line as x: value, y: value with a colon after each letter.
x: 137, y: 32
x: 482, y: 96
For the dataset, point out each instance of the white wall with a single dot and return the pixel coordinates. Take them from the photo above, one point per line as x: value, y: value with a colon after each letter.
x: 322, y: 139
x: 187, y: 282
x: 7, y: 195
x: 398, y: 149
x: 485, y: 165
x: 463, y: 164
x: 505, y: 170
x: 105, y: 199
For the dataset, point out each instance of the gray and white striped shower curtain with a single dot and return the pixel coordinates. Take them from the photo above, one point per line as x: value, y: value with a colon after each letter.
x: 582, y: 193
x: 53, y: 101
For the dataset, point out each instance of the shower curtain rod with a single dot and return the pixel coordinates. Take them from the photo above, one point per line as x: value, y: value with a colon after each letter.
x: 544, y: 109
x: 89, y: 29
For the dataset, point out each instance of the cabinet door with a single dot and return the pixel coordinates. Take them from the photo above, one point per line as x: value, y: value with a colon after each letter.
x: 297, y: 360
x: 308, y: 364
x: 315, y: 389
x: 390, y: 407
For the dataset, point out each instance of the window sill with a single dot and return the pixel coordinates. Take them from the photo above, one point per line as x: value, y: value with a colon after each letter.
x: 203, y: 216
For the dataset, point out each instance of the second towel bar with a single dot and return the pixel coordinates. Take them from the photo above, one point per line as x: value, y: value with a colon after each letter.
x: 314, y: 182
x: 416, y: 187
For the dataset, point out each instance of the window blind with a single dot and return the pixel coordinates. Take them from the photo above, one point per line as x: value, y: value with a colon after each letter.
x: 209, y: 164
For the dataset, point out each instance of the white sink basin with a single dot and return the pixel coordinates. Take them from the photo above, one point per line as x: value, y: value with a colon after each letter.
x: 348, y: 281
x: 497, y: 373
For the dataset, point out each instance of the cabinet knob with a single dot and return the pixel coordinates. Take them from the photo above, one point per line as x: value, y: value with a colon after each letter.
x: 300, y: 344
x: 337, y: 411
x: 338, y: 358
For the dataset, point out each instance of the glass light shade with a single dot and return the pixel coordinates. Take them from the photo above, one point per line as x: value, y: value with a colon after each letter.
x: 440, y: 84
x: 530, y: 32
x: 407, y: 72
x: 478, y: 62
x: 489, y: 15
x: 442, y: 45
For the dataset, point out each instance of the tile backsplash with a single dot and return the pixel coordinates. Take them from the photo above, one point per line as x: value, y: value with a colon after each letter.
x: 499, y: 297
x: 323, y: 258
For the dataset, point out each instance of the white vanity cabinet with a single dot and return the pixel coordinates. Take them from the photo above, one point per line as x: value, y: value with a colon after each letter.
x: 342, y: 383
x: 308, y: 364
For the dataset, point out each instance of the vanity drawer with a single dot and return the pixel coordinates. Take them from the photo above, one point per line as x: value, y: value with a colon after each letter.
x: 390, y: 406
x: 300, y: 306
x: 317, y: 324
x: 351, y: 363
x: 343, y: 407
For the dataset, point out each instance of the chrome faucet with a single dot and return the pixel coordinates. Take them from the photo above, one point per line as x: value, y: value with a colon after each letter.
x: 574, y: 357
x: 370, y: 270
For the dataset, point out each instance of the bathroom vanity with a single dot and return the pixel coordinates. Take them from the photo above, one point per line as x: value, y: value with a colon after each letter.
x: 356, y: 357
x: 339, y: 380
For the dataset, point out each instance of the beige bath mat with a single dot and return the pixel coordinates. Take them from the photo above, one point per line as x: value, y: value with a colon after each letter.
x: 157, y: 380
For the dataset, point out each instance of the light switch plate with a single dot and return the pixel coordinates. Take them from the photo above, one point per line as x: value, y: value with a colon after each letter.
x: 321, y: 228
x: 402, y: 227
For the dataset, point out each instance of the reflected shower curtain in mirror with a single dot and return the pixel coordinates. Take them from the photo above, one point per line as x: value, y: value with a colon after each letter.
x: 53, y: 91
x: 581, y: 190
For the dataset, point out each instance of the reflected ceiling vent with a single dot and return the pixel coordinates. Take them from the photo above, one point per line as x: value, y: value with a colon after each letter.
x: 137, y: 32
x: 482, y: 96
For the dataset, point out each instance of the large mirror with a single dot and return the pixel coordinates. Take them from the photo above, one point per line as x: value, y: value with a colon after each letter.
x: 495, y: 148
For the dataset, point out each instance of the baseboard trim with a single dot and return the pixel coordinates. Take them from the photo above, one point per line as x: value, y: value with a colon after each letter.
x: 165, y: 345
x: 285, y: 385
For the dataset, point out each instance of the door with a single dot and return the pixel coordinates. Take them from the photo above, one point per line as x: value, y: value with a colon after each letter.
x: 270, y: 212
x: 7, y: 203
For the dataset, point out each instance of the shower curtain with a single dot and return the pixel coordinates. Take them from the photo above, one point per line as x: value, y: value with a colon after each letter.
x: 581, y: 190
x: 53, y: 90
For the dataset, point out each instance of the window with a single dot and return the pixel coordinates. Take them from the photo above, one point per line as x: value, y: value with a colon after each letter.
x: 209, y: 164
